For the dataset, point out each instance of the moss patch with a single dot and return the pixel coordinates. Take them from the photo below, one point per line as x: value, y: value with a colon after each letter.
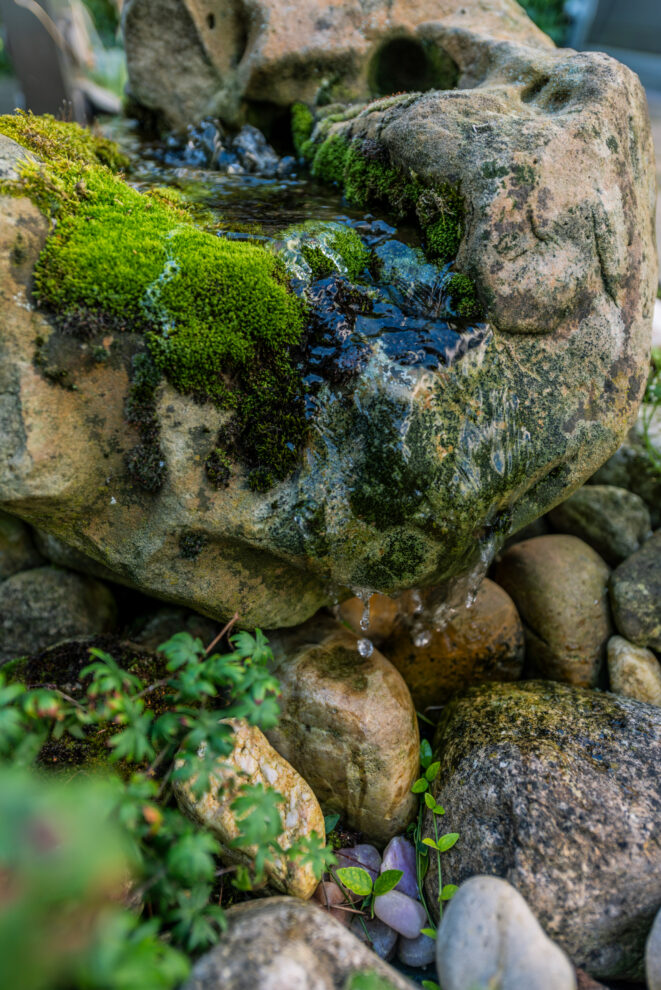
x: 219, y: 318
x: 302, y: 122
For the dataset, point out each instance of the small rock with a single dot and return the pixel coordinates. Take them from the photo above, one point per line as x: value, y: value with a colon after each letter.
x: 41, y: 606
x: 59, y: 553
x: 483, y: 643
x: 613, y: 521
x: 402, y: 913
x: 348, y: 726
x: 585, y: 982
x: 420, y: 951
x: 633, y: 468
x: 635, y: 591
x: 489, y: 937
x: 363, y: 855
x: 634, y: 671
x: 286, y: 167
x: 254, y: 152
x: 559, y: 586
x: 281, y: 943
x: 382, y: 611
x: 556, y: 789
x: 254, y: 761
x: 381, y: 938
x: 399, y: 854
x: 17, y: 551
x: 653, y: 955
x: 329, y: 895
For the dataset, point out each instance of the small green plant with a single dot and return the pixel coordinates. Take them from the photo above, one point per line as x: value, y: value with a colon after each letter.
x: 440, y: 843
x: 652, y: 408
x: 155, y: 729
x: 359, y: 881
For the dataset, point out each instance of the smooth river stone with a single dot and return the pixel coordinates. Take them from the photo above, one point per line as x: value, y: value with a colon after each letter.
x: 418, y: 951
x: 329, y: 895
x: 399, y: 854
x: 402, y: 913
x: 380, y: 937
x: 363, y: 856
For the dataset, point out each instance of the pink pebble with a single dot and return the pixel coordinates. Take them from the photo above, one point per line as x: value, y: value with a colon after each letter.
x: 329, y: 895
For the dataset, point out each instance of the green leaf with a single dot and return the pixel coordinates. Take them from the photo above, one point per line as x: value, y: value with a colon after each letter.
x: 430, y: 985
x: 420, y: 785
x: 430, y: 842
x: 330, y: 821
x: 425, y: 754
x: 431, y: 773
x: 429, y: 932
x: 312, y: 852
x: 448, y: 892
x: 355, y: 879
x: 439, y: 809
x: 447, y: 841
x: 429, y: 801
x: 181, y: 649
x: 386, y: 881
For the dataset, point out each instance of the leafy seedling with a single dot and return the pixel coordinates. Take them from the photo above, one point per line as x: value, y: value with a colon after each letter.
x: 358, y: 881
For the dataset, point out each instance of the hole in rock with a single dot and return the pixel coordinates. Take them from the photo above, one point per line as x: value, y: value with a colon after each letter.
x: 405, y: 64
x: 211, y: 21
x: 532, y: 91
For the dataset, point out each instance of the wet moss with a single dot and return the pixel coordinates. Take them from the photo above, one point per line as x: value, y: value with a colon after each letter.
x: 344, y: 245
x: 218, y: 316
x: 146, y: 462
x: 463, y: 296
x: 302, y: 123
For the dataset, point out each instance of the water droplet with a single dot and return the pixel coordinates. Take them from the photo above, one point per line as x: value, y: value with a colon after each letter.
x: 422, y: 638
x: 365, y: 648
x: 416, y: 600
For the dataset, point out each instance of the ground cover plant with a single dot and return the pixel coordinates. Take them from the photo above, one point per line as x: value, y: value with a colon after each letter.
x: 80, y: 846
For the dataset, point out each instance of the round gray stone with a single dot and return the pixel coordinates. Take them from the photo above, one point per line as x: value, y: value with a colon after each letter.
x: 489, y: 937
x: 635, y: 592
x: 611, y: 520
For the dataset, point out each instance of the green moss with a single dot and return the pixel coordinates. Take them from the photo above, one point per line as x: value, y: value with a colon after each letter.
x: 330, y: 160
x: 218, y: 468
x: 218, y: 316
x: 464, y: 299
x: 344, y: 245
x: 443, y: 238
x: 302, y: 123
x: 51, y: 138
x: 146, y: 462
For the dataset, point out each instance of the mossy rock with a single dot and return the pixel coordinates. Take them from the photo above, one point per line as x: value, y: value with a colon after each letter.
x: 556, y: 789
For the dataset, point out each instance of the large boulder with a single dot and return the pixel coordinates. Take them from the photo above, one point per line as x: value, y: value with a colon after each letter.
x: 556, y: 790
x: 281, y: 942
x: 415, y: 469
x: 187, y: 59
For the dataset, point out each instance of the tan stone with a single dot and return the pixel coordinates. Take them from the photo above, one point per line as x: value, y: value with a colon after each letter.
x: 483, y: 643
x: 349, y: 727
x: 254, y: 761
x: 189, y: 58
x: 634, y: 671
x: 383, y: 615
x: 560, y: 587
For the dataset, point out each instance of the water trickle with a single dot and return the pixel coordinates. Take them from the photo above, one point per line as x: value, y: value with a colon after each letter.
x: 365, y: 618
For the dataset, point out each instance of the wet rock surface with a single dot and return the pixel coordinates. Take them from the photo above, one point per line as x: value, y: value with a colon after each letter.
x: 482, y: 643
x: 560, y: 587
x: 40, y: 606
x: 635, y: 594
x: 653, y: 955
x: 613, y: 521
x: 253, y: 761
x: 282, y: 942
x: 556, y: 790
x: 348, y: 725
x: 490, y: 937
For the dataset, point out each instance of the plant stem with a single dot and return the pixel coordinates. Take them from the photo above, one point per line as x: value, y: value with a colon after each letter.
x: 440, y: 873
